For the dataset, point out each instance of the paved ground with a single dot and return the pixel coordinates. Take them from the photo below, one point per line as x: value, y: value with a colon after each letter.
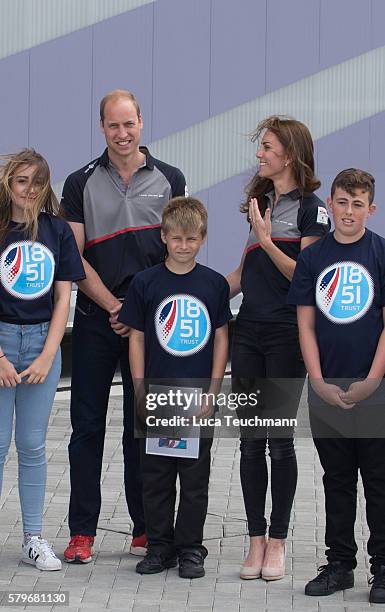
x: 110, y: 582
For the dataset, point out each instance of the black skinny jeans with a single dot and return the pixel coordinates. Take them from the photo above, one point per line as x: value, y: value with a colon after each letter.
x: 264, y: 356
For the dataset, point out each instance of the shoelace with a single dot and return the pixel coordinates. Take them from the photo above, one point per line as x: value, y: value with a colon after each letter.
x: 379, y: 578
x: 79, y: 540
x: 324, y: 571
x: 42, y: 547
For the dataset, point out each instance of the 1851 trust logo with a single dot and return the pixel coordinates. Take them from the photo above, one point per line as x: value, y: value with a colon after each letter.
x: 27, y: 269
x: 344, y: 292
x: 182, y: 325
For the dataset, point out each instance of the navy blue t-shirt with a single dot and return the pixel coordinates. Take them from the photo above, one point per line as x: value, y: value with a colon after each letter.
x: 346, y: 283
x: 178, y: 314
x: 28, y: 270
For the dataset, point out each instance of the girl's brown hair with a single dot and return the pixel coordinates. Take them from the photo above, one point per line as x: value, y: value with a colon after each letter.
x: 296, y: 139
x: 45, y: 200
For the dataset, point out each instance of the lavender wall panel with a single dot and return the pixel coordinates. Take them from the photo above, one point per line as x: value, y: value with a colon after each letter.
x: 344, y: 149
x: 203, y: 196
x: 292, y: 41
x: 122, y: 59
x: 377, y: 221
x: 228, y: 227
x: 377, y: 140
x: 61, y: 101
x: 238, y: 36
x: 181, y: 65
x: 14, y: 102
x: 378, y: 21
x: 344, y: 30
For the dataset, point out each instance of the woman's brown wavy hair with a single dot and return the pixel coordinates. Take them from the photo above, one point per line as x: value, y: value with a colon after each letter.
x: 296, y: 139
x: 45, y: 201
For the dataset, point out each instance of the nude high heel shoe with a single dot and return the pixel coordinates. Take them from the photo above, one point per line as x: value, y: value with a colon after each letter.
x: 273, y: 567
x: 253, y: 571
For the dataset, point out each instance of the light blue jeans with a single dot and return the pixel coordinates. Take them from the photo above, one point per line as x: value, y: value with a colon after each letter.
x: 32, y: 405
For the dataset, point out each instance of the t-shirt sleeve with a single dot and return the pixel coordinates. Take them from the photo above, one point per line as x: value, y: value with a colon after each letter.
x: 313, y: 220
x: 178, y: 184
x: 132, y: 312
x: 224, y: 312
x: 70, y: 265
x: 301, y: 292
x: 71, y: 203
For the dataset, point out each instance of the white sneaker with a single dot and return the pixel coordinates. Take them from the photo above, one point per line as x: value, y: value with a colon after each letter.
x: 39, y: 553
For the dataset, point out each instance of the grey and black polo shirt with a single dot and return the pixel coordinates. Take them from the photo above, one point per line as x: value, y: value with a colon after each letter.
x: 122, y: 224
x: 264, y: 287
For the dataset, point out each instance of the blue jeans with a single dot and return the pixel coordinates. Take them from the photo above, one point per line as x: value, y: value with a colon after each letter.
x: 32, y: 406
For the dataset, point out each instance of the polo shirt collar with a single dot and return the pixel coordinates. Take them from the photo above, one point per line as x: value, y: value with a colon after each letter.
x: 295, y: 194
x: 149, y: 163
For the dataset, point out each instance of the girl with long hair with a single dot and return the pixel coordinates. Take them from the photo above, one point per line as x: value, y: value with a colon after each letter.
x: 285, y: 216
x: 39, y: 260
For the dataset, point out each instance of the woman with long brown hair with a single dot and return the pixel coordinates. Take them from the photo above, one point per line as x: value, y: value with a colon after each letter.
x: 38, y: 261
x: 285, y: 216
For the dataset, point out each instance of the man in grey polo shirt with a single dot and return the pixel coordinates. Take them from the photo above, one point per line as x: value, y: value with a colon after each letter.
x: 114, y: 206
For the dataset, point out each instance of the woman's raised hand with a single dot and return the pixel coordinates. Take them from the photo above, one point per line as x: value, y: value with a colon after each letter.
x: 261, y: 225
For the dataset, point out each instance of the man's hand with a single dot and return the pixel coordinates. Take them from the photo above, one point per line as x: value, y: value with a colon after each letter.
x: 119, y: 328
x: 37, y: 372
x: 207, y: 407
x: 331, y: 394
x: 360, y: 390
x: 8, y: 375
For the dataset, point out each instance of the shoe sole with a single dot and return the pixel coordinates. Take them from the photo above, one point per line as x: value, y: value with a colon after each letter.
x: 377, y: 600
x: 77, y: 560
x: 192, y: 576
x: 343, y: 588
x: 250, y: 576
x: 166, y: 565
x: 269, y: 578
x: 39, y: 567
x: 138, y: 551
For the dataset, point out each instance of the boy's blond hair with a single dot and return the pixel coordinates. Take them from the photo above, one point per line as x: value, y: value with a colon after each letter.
x: 186, y: 213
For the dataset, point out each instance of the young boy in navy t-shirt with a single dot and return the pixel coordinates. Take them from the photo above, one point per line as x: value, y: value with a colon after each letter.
x: 178, y: 313
x: 339, y: 289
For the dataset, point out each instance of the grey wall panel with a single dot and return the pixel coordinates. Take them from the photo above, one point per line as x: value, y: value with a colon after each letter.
x: 14, y: 103
x: 292, y: 41
x: 181, y: 64
x: 228, y: 228
x: 345, y: 30
x: 26, y: 23
x: 61, y: 101
x: 238, y: 39
x: 122, y: 59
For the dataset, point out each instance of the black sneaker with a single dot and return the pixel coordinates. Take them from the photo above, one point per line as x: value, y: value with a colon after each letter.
x: 331, y: 578
x: 377, y: 592
x: 191, y: 564
x: 155, y: 562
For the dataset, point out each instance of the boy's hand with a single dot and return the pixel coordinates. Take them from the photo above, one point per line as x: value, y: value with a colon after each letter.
x: 207, y: 408
x: 37, y: 372
x: 119, y: 328
x: 360, y: 390
x: 8, y: 375
x: 331, y: 394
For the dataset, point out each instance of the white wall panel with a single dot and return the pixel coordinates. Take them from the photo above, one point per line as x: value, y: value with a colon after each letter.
x: 214, y: 150
x: 26, y: 23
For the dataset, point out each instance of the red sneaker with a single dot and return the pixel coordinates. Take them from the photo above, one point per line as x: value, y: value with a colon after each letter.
x: 79, y: 549
x: 139, y: 546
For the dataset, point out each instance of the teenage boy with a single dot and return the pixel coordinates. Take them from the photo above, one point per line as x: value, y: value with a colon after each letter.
x: 178, y: 313
x: 339, y: 288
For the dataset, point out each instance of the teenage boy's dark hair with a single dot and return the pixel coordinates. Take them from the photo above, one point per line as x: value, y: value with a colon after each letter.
x: 351, y: 179
x: 187, y: 213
